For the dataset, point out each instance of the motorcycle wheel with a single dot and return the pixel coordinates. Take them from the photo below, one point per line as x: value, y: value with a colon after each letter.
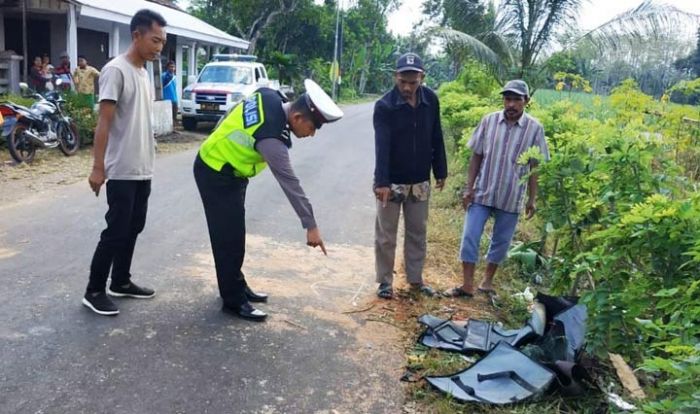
x: 68, y: 138
x: 20, y: 146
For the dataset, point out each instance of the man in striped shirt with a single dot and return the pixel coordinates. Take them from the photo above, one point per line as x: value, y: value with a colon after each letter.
x: 495, y: 185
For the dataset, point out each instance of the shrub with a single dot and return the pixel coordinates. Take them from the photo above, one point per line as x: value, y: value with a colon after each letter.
x: 79, y: 108
x: 620, y: 206
x: 686, y: 92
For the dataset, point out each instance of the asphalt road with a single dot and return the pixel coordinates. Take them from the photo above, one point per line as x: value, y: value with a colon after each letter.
x: 178, y: 353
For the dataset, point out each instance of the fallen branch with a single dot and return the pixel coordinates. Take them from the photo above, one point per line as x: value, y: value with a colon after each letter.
x: 295, y: 324
x: 359, y: 310
x: 382, y: 321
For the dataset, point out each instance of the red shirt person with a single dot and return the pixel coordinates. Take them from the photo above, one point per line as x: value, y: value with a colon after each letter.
x: 63, y: 72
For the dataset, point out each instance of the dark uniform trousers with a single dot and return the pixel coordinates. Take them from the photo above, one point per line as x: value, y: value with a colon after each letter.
x: 126, y: 218
x: 223, y: 197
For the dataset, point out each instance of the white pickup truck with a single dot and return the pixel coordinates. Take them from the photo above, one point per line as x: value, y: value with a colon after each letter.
x: 221, y: 84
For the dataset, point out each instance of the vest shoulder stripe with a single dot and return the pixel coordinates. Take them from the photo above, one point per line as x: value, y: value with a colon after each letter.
x: 251, y: 111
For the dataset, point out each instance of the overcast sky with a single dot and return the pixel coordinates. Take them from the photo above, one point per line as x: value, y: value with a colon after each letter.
x: 593, y: 12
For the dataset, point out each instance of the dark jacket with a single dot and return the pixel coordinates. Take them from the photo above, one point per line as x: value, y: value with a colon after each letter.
x: 408, y: 141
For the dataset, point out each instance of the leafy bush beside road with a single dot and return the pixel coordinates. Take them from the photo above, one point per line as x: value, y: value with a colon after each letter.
x: 83, y: 114
x: 619, y: 224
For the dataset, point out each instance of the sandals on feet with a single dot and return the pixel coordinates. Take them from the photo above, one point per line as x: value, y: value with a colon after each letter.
x: 457, y: 292
x: 424, y: 289
x: 385, y: 291
x: 489, y: 292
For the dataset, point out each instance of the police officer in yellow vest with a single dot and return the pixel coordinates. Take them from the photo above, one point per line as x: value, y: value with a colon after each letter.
x: 253, y: 135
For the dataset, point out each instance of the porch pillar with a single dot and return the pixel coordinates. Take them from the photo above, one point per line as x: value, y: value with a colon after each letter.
x: 178, y: 70
x: 192, y: 61
x: 114, y: 40
x: 2, y: 31
x: 72, y: 37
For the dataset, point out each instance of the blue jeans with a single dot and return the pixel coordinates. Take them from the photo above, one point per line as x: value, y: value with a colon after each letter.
x: 503, y: 229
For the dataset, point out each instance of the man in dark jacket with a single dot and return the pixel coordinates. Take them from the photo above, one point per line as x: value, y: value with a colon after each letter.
x: 408, y: 145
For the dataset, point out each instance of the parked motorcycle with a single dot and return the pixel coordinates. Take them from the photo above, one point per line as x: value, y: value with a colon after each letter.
x: 43, y: 125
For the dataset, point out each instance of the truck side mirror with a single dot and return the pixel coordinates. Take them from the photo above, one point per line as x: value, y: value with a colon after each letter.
x: 23, y: 86
x: 191, y: 79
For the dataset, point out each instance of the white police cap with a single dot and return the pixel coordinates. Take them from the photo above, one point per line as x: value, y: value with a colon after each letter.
x: 321, y: 105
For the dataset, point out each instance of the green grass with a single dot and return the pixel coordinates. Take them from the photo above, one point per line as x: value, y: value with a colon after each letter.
x: 592, y: 105
x: 353, y: 100
x: 549, y: 96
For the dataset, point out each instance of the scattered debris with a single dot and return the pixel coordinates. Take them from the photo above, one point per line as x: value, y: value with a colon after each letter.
x: 382, y: 321
x: 626, y: 375
x: 474, y: 336
x: 504, y: 376
x: 409, y: 376
x: 618, y: 402
x: 526, y: 295
x: 469, y: 359
x: 294, y: 324
x: 359, y: 310
x: 551, y: 342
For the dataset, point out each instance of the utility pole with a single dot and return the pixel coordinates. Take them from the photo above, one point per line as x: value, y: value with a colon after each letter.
x: 335, y: 66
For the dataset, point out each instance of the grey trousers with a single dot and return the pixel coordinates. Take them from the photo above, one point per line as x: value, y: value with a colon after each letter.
x: 415, y: 215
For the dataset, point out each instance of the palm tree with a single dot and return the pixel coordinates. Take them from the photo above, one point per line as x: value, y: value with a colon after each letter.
x: 524, y: 29
x: 531, y: 25
x: 648, y: 20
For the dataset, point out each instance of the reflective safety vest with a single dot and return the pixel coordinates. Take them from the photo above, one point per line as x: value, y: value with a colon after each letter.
x: 233, y: 141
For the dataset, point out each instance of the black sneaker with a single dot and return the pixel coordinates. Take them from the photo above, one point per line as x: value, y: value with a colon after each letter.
x: 99, y: 303
x: 131, y: 291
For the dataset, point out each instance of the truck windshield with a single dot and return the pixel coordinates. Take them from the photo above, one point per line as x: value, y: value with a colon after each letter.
x: 226, y: 74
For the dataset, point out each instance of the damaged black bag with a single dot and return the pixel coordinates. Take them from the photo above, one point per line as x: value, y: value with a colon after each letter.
x: 551, y: 342
x: 503, y: 376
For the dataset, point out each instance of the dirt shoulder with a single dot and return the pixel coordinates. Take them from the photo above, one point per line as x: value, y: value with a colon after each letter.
x: 51, y: 168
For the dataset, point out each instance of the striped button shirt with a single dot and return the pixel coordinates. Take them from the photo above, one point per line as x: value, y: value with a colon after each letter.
x: 499, y: 181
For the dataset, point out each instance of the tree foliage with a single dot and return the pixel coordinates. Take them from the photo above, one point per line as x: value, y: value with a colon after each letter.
x: 691, y: 63
x: 245, y: 19
x: 296, y: 38
x: 509, y: 39
x: 641, y: 43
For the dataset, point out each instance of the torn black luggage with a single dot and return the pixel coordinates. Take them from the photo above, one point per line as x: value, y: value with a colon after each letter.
x: 476, y: 335
x: 550, y: 342
x: 503, y: 376
x: 442, y: 334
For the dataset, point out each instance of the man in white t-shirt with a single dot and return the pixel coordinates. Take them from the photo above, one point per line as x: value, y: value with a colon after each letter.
x: 124, y: 153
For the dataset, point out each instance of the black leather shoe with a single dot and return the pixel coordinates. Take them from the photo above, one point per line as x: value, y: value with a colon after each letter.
x: 246, y: 311
x: 255, y: 297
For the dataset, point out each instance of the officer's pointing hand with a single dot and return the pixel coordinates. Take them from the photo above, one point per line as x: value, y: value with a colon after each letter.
x: 313, y: 239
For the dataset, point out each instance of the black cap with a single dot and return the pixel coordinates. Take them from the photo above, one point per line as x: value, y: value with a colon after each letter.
x: 409, y: 62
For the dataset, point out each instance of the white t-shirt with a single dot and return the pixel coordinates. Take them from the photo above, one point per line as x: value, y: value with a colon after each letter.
x: 130, y: 152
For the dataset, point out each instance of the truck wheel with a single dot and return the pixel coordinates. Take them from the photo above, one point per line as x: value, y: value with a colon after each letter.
x: 190, y: 124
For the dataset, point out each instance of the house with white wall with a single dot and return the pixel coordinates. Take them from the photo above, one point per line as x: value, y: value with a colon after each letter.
x: 99, y: 29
